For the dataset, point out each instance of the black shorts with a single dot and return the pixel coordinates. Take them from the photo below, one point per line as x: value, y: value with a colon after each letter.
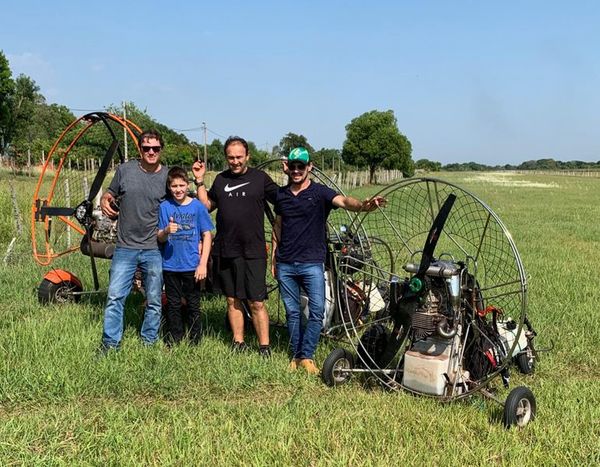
x: 241, y: 278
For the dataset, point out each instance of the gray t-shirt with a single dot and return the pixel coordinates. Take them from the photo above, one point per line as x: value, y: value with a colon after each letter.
x: 139, y: 195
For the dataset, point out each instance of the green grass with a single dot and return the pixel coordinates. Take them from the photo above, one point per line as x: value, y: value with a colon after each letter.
x: 60, y: 405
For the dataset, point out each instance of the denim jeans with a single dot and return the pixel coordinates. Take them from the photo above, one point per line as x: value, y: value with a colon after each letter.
x: 308, y: 276
x: 125, y: 261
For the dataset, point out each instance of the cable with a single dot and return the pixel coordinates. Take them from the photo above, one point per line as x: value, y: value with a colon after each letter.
x: 188, y: 129
x: 215, y: 133
x: 87, y: 110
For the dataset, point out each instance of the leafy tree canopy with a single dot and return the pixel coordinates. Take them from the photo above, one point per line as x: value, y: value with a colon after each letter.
x: 539, y: 164
x: 257, y: 156
x: 29, y: 127
x: 327, y: 158
x: 291, y: 141
x: 373, y: 140
x: 215, y: 156
x: 427, y: 165
x: 7, y: 86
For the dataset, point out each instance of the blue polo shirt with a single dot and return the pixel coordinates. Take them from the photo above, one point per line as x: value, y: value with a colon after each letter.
x: 304, y: 223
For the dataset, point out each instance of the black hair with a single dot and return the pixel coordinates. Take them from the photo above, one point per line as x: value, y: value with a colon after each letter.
x: 235, y: 140
x: 150, y: 134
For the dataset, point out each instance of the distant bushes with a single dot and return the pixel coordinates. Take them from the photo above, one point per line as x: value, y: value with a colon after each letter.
x: 540, y: 164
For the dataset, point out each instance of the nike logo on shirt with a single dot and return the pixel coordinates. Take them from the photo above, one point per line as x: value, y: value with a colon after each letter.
x: 235, y: 187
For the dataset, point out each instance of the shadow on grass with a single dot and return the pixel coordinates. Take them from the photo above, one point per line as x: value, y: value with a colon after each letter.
x: 214, y: 315
x: 213, y: 312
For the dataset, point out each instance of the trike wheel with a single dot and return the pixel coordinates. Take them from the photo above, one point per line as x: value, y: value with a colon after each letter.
x: 49, y: 292
x: 519, y: 408
x: 336, y: 367
x: 525, y: 362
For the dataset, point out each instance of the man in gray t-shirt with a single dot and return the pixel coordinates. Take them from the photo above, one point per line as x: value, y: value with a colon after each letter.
x: 139, y: 186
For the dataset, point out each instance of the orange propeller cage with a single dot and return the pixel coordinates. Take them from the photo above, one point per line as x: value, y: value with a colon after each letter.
x: 43, y: 250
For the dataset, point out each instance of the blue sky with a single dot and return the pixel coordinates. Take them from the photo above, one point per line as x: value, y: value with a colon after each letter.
x: 491, y: 82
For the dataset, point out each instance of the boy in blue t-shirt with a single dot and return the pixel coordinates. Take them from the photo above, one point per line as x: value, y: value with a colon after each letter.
x: 184, y: 232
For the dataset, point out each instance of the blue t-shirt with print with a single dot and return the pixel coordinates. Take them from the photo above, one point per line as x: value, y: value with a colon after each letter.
x: 180, y: 251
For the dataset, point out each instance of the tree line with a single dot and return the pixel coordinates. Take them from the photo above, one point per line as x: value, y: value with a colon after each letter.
x: 539, y: 164
x: 29, y: 126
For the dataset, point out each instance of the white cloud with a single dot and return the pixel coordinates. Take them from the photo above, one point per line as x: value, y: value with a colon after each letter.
x: 38, y: 69
x: 31, y: 65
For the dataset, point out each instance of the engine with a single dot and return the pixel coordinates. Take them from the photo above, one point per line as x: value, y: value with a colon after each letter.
x: 431, y: 364
x: 432, y: 311
x: 104, y: 236
x: 103, y: 229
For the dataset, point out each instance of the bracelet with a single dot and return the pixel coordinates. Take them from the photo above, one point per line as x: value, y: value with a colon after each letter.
x: 199, y: 183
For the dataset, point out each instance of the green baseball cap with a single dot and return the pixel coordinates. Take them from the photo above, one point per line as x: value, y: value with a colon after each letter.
x: 299, y: 155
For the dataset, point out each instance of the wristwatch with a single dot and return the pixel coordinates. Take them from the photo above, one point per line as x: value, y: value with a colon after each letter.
x: 199, y: 183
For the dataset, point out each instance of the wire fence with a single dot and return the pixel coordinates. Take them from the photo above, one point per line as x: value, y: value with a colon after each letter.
x: 567, y: 173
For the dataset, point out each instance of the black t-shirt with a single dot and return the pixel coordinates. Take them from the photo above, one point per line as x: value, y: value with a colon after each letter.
x: 304, y: 223
x: 240, y: 201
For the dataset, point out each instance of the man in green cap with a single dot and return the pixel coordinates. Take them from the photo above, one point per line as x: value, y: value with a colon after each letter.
x: 299, y: 250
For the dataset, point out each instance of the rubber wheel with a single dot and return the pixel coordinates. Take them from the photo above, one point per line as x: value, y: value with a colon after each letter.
x: 525, y: 362
x: 335, y: 367
x: 519, y: 408
x: 49, y: 292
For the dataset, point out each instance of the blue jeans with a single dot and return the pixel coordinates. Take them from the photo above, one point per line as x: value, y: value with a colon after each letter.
x: 309, y: 277
x: 125, y: 261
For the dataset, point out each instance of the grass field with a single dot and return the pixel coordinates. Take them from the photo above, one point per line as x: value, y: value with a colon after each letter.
x: 60, y: 405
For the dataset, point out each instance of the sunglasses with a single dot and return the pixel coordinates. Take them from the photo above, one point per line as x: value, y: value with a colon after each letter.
x: 148, y: 148
x: 298, y: 167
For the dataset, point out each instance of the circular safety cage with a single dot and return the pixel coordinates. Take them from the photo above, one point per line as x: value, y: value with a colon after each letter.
x: 433, y: 296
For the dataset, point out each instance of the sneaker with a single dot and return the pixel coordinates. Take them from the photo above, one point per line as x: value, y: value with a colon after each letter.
x: 294, y: 364
x: 309, y: 365
x: 239, y: 347
x: 264, y: 351
x: 104, y: 350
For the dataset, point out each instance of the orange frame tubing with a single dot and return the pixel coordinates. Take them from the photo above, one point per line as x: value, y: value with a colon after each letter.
x: 46, y: 258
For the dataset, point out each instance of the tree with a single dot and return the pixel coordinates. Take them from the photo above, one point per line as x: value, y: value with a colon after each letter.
x: 25, y: 101
x: 373, y: 140
x: 48, y: 123
x: 215, y: 154
x: 327, y: 158
x: 291, y: 141
x: 257, y: 156
x: 7, y: 88
x: 178, y: 149
x: 427, y: 165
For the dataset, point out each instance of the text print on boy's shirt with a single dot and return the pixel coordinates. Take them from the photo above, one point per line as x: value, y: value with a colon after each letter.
x: 185, y: 221
x: 192, y: 220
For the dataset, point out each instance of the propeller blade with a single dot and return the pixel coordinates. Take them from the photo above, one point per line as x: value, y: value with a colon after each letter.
x: 55, y: 211
x: 434, y: 234
x: 101, y: 174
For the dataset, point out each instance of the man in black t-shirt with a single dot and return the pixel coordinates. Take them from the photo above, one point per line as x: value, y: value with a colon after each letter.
x: 239, y: 251
x: 299, y: 250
